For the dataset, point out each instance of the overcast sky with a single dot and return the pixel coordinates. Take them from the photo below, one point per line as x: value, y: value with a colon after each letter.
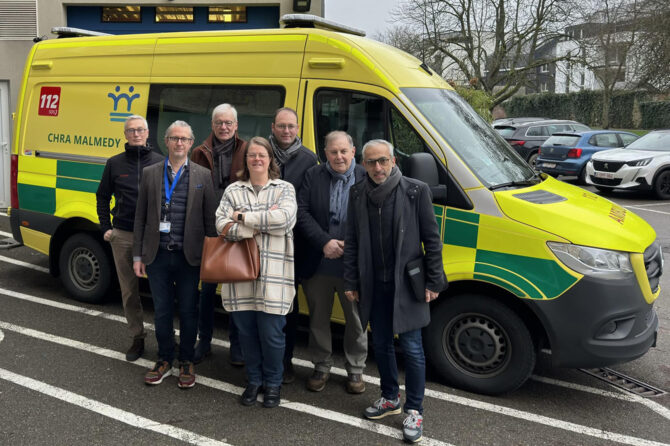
x: 370, y: 15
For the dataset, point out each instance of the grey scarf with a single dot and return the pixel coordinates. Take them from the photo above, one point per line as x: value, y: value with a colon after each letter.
x: 223, y: 159
x: 284, y: 155
x: 339, y: 192
x: 377, y: 193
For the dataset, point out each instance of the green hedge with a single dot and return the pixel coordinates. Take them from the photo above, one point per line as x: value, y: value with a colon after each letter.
x: 655, y: 114
x: 585, y: 106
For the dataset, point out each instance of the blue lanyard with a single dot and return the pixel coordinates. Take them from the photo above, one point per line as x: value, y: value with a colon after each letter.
x: 170, y: 189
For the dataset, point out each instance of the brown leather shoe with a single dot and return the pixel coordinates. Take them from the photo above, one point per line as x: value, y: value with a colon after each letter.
x: 355, y: 383
x: 317, y: 381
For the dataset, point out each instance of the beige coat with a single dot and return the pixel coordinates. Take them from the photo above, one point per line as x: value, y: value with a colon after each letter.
x: 274, y: 289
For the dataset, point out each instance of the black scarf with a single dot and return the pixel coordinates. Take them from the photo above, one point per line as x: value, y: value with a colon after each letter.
x: 377, y: 193
x: 282, y: 156
x: 223, y: 159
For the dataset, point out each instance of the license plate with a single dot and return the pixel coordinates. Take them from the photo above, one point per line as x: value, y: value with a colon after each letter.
x: 607, y: 175
x: 549, y: 165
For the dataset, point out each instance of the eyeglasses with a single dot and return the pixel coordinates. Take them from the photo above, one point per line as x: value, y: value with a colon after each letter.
x: 286, y: 126
x: 137, y: 130
x: 224, y: 123
x: 181, y: 139
x: 383, y: 162
x: 257, y: 155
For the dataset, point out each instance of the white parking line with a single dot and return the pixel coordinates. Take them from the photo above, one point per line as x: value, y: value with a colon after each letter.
x: 653, y: 204
x: 24, y: 264
x: 219, y: 385
x: 4, y: 214
x: 5, y: 234
x: 108, y: 411
x: 637, y: 208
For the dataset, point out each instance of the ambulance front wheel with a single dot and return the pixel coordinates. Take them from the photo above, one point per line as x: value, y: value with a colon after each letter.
x: 86, y: 269
x: 479, y: 344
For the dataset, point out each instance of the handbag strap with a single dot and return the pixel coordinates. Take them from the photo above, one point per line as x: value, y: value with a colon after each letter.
x: 226, y: 228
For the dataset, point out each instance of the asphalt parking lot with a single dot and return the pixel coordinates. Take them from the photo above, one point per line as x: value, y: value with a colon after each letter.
x: 64, y: 380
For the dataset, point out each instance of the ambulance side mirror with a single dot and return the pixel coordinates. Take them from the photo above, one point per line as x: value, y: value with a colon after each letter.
x: 423, y: 167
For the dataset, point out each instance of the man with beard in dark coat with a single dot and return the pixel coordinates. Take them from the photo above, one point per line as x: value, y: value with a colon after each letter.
x: 390, y: 224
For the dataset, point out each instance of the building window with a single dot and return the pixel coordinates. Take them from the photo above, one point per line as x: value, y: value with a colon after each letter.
x: 544, y: 68
x: 227, y: 14
x: 174, y: 14
x: 543, y: 87
x: 120, y: 14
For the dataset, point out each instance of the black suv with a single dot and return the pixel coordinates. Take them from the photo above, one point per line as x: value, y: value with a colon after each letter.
x: 527, y: 137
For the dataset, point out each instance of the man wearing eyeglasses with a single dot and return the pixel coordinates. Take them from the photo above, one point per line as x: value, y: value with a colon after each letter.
x: 223, y: 154
x: 393, y: 269
x: 121, y: 179
x: 175, y: 210
x: 293, y: 159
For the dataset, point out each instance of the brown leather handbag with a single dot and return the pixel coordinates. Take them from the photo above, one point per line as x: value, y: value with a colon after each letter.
x: 224, y: 261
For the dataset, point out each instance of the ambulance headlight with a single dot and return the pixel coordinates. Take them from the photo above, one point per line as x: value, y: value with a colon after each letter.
x: 602, y: 263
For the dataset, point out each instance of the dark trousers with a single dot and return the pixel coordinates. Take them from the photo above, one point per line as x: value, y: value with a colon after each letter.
x: 381, y: 321
x: 262, y: 341
x: 206, y: 321
x: 171, y: 277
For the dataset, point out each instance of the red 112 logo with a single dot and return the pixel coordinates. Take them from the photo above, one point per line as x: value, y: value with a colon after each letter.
x: 49, y: 101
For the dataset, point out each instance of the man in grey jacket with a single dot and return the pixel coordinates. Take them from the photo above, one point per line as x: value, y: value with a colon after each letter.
x: 174, y: 195
x: 390, y: 224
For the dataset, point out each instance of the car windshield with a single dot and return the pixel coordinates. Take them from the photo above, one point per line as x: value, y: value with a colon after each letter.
x: 654, y: 141
x: 486, y: 153
x: 561, y: 140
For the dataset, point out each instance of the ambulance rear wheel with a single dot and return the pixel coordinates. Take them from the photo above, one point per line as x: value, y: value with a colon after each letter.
x: 479, y: 344
x: 85, y: 268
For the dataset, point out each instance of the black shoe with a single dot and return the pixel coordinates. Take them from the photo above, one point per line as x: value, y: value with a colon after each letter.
x: 202, y: 350
x: 250, y: 395
x: 289, y: 374
x: 272, y: 396
x: 135, y: 350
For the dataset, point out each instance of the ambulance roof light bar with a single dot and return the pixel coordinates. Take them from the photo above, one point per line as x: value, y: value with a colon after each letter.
x: 312, y: 21
x: 66, y: 31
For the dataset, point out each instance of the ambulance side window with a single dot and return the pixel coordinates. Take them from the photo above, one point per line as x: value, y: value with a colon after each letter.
x: 255, y: 107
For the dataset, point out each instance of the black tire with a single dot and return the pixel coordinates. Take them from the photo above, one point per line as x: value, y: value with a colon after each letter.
x: 532, y: 159
x: 478, y: 344
x: 86, y: 269
x: 581, y: 178
x: 661, y: 185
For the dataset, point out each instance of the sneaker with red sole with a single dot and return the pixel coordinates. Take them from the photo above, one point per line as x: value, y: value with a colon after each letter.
x: 158, y: 373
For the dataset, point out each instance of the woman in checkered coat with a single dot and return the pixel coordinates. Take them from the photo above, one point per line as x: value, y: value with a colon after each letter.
x: 264, y: 207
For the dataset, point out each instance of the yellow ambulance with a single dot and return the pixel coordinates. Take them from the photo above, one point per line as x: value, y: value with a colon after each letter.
x: 533, y: 263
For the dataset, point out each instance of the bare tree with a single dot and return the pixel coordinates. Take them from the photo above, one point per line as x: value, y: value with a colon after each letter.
x: 650, y: 67
x: 490, y: 44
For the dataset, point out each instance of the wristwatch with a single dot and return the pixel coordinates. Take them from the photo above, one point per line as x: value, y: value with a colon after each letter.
x: 240, y: 217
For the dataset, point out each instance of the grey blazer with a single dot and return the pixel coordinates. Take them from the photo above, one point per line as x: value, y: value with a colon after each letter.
x: 200, y: 208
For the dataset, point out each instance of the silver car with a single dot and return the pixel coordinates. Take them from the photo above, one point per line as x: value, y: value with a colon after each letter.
x: 642, y: 165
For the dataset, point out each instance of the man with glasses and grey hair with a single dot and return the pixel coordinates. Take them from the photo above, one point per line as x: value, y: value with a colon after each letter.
x: 223, y: 154
x: 121, y: 179
x: 174, y: 195
x: 393, y: 269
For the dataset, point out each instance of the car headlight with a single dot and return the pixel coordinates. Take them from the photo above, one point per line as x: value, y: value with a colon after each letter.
x: 602, y: 263
x: 638, y: 163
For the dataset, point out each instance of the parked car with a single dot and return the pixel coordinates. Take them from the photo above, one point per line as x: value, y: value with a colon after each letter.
x: 526, y: 137
x: 512, y: 121
x: 568, y: 153
x: 642, y: 165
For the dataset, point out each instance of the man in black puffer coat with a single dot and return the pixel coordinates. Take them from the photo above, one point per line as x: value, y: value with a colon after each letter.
x: 121, y: 178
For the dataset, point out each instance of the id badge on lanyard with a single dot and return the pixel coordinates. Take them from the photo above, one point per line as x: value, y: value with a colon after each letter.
x: 164, y: 225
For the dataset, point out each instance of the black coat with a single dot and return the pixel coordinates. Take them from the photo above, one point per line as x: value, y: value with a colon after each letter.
x: 414, y: 224
x: 314, y: 213
x: 294, y: 172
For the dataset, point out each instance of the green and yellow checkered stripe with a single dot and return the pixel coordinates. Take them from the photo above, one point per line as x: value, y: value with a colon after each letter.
x: 501, y: 252
x: 45, y: 185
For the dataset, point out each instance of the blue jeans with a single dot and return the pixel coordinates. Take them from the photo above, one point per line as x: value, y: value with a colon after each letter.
x: 262, y: 341
x: 171, y: 277
x: 206, y: 321
x: 381, y: 321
